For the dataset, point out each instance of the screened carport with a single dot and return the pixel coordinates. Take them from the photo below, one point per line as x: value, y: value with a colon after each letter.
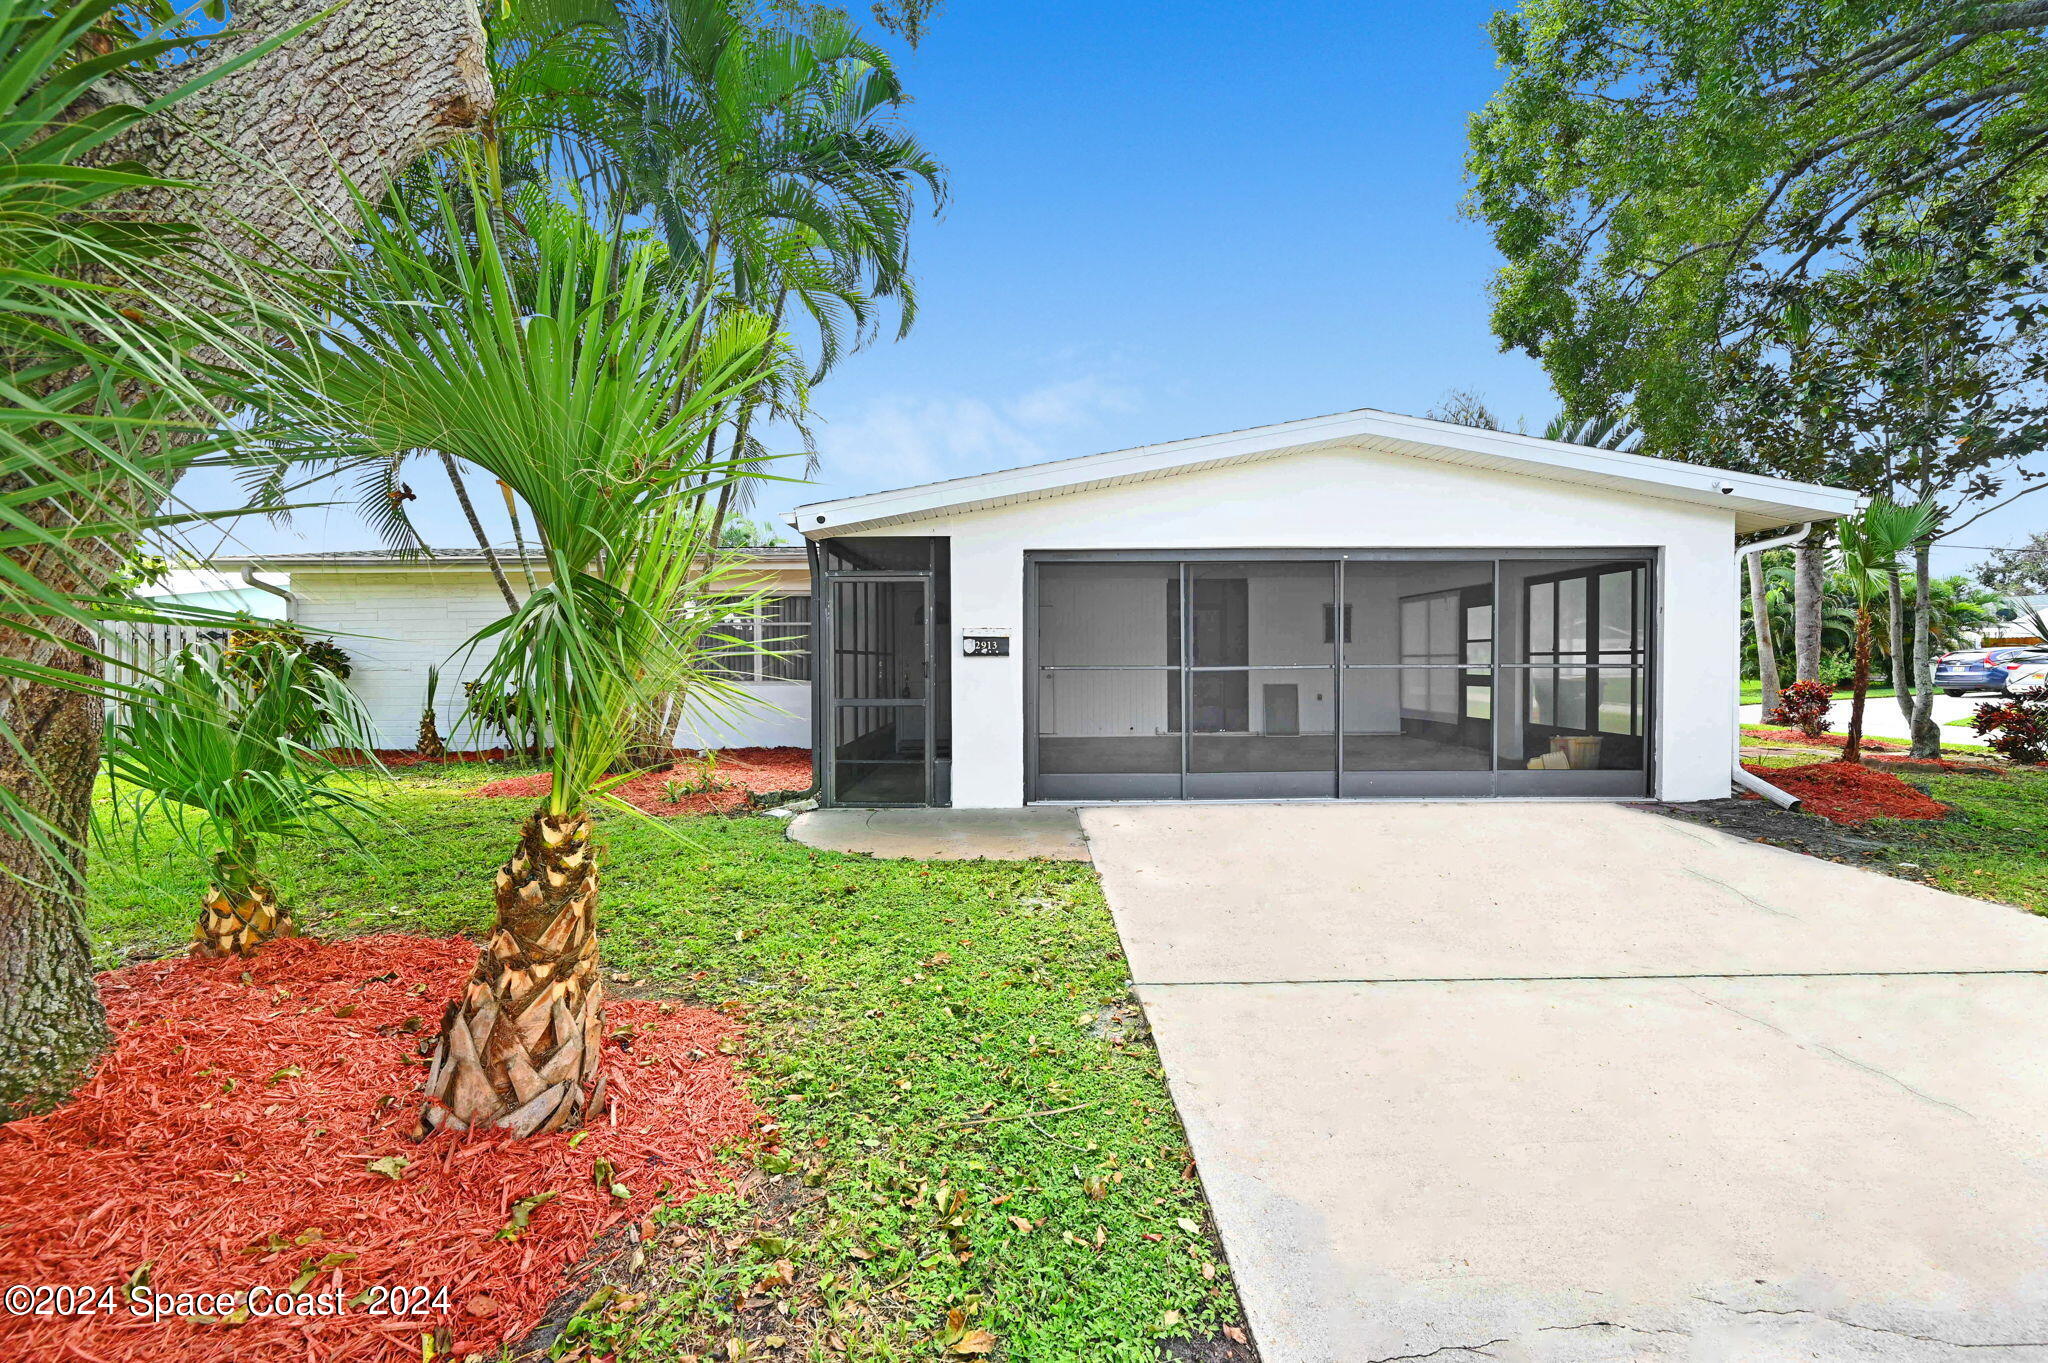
x: 1317, y: 674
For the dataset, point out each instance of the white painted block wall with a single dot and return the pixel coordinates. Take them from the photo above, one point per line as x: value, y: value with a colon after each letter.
x: 395, y: 625
x: 1349, y: 498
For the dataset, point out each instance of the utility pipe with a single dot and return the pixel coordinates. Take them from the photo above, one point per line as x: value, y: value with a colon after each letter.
x: 291, y: 602
x: 1743, y: 777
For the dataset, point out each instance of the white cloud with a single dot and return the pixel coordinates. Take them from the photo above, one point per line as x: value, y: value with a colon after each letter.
x: 898, y: 440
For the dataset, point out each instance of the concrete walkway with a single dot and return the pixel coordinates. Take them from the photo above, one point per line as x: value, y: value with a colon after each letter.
x: 946, y: 834
x: 1577, y: 1082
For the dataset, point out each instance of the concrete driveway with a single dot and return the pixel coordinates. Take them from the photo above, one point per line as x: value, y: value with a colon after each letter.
x: 1881, y: 717
x: 1578, y: 1082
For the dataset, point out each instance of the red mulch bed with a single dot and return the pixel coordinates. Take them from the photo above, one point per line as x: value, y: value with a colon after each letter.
x: 739, y: 771
x: 226, y: 1142
x: 1890, y: 752
x: 1845, y: 793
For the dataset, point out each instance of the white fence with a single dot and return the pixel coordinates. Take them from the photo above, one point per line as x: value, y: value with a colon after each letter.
x: 142, y: 651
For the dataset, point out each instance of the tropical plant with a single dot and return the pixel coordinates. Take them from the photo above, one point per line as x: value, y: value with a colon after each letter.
x: 2015, y: 727
x: 1873, y: 541
x: 429, y: 743
x: 488, y: 709
x: 1805, y: 706
x: 589, y: 390
x: 1598, y: 432
x: 236, y: 750
x: 249, y: 634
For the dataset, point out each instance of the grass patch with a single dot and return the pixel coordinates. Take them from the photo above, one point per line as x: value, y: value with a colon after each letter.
x: 892, y: 1008
x: 1995, y: 846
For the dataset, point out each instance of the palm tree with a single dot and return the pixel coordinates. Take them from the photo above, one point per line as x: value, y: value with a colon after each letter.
x: 235, y: 748
x: 1873, y: 540
x: 1598, y: 432
x: 588, y: 390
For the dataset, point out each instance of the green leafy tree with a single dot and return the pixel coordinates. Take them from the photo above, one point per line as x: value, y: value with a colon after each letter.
x: 236, y: 748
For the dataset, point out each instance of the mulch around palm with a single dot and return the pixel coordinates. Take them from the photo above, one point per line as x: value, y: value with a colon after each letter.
x: 736, y: 773
x: 229, y: 1140
x: 1845, y: 793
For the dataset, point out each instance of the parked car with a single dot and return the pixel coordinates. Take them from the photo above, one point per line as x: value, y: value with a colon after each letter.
x: 1982, y: 669
x: 2029, y: 678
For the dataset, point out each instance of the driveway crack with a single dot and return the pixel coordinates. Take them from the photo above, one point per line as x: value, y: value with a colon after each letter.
x: 1480, y: 1349
x: 1876, y: 1329
x: 1846, y: 1059
x: 1744, y: 895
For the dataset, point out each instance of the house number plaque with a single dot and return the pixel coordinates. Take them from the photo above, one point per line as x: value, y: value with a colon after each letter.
x: 984, y: 642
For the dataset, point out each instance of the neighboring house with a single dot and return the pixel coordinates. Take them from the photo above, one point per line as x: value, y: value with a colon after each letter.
x: 2005, y: 633
x: 396, y: 617
x: 1359, y: 605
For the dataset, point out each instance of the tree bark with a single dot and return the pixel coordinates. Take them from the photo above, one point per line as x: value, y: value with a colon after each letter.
x: 268, y: 149
x: 1809, y: 591
x: 52, y: 1028
x: 241, y: 911
x: 1852, y: 747
x: 1760, y: 621
x: 1897, y: 622
x: 519, y: 1046
x: 476, y: 528
x: 1926, y: 733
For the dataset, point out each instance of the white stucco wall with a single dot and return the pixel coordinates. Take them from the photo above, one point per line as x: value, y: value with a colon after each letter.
x: 1348, y: 499
x: 395, y: 624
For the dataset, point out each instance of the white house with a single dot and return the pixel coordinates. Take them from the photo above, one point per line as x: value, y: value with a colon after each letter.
x: 1358, y: 605
x: 396, y: 617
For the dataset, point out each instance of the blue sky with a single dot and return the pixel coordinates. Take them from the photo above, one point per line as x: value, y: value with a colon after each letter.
x: 1166, y: 220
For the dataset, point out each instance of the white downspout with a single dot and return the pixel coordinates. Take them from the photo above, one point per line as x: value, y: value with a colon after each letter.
x: 1746, y: 780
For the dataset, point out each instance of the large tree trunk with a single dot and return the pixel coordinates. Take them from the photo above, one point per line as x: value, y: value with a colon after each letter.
x: 1809, y: 590
x: 52, y: 1028
x: 1760, y: 621
x: 268, y: 149
x: 1904, y: 683
x: 1926, y: 733
x: 519, y: 1046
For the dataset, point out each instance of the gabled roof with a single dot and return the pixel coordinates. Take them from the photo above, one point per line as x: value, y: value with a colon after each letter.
x: 388, y: 559
x: 1758, y: 503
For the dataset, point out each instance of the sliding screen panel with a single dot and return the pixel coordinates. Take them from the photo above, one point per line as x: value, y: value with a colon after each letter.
x: 1262, y: 688
x: 1572, y: 692
x: 1418, y: 678
x: 1109, y: 681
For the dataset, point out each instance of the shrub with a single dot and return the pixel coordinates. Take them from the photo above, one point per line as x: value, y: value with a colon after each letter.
x: 322, y: 653
x: 2016, y: 728
x: 1804, y: 706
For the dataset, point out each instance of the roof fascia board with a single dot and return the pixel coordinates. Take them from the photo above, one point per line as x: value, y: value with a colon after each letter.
x: 1691, y: 482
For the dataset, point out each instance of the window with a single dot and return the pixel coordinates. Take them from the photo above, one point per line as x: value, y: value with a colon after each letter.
x: 771, y: 643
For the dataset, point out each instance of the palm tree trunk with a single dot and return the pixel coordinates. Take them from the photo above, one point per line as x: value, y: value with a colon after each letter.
x: 1809, y: 591
x: 1926, y: 733
x: 1852, y: 749
x: 476, y: 527
x: 241, y: 911
x: 1760, y: 621
x: 519, y: 1047
x: 518, y: 535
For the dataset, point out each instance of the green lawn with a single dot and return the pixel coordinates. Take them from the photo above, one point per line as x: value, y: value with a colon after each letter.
x: 886, y: 1003
x: 1994, y: 847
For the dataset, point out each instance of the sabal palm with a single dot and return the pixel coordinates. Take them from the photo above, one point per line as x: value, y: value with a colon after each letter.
x: 235, y: 748
x: 588, y: 390
x: 1872, y: 543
